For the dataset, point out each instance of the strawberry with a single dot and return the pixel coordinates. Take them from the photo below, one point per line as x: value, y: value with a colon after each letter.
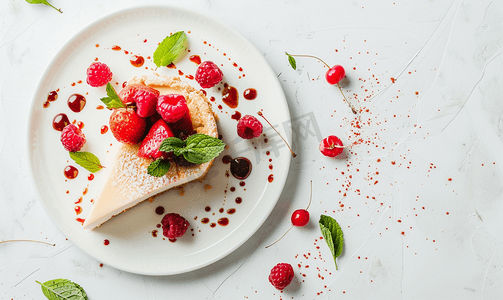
x: 126, y: 126
x: 149, y: 148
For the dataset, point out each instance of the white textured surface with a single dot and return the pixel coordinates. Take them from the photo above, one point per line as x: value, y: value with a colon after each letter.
x: 447, y: 51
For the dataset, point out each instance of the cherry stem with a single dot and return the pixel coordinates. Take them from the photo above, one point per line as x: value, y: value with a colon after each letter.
x: 280, y: 237
x: 349, y: 103
x: 293, y: 153
x: 311, y: 56
x: 10, y: 241
x: 311, y: 196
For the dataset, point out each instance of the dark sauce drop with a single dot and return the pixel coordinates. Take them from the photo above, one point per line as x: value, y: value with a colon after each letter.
x: 205, y: 220
x: 223, y: 221
x: 76, y: 102
x: 241, y: 167
x: 195, y: 59
x: 230, y: 96
x: 71, y: 172
x: 236, y: 116
x: 159, y: 210
x: 226, y: 159
x: 171, y: 66
x: 239, y: 200
x: 250, y: 94
x: 106, y: 242
x: 60, y: 121
x: 230, y: 211
x: 154, y: 233
x: 137, y: 60
x: 207, y: 208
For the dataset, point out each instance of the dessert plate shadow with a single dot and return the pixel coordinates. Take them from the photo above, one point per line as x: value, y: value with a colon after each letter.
x: 134, y: 241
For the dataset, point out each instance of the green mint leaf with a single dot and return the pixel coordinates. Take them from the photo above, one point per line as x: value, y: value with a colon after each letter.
x: 332, y: 233
x: 172, y: 144
x: 43, y: 2
x: 169, y: 49
x: 202, y: 148
x: 87, y: 160
x: 158, y: 168
x: 113, y: 100
x: 292, y: 61
x: 59, y: 289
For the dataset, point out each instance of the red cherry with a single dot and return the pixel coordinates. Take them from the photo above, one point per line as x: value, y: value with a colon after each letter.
x: 300, y: 217
x: 335, y: 74
x: 331, y: 146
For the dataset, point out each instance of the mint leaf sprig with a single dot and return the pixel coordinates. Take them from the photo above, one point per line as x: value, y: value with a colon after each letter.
x: 112, y: 100
x: 170, y: 48
x: 332, y: 233
x: 198, y: 148
x: 43, y: 2
x: 87, y: 160
x: 59, y: 289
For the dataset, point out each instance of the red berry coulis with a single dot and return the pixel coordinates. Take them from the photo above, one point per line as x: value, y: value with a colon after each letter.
x: 60, y: 121
x: 76, y: 102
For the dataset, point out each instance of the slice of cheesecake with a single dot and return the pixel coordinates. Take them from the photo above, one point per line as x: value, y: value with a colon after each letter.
x: 128, y: 182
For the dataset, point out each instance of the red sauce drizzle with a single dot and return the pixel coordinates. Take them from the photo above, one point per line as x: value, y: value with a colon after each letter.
x: 223, y: 221
x: 104, y: 129
x: 236, y: 116
x: 270, y: 178
x: 52, y: 96
x: 116, y: 48
x: 71, y: 172
x: 250, y: 94
x: 76, y: 102
x: 195, y: 59
x: 230, y: 96
x: 78, y: 210
x: 137, y: 61
x: 90, y: 177
x: 205, y: 220
x: 106, y: 242
x: 239, y: 200
x: 230, y: 211
x: 159, y: 210
x: 60, y: 121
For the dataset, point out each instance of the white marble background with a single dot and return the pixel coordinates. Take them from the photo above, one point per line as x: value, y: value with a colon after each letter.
x: 422, y: 214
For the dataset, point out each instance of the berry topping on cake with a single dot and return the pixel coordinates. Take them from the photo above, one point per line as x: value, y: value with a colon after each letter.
x: 183, y: 128
x: 281, y: 275
x: 249, y: 127
x: 208, y: 74
x: 149, y: 148
x: 174, y: 226
x: 128, y: 93
x: 126, y: 126
x: 331, y: 146
x: 146, y: 102
x: 72, y: 138
x: 98, y: 74
x: 172, y: 107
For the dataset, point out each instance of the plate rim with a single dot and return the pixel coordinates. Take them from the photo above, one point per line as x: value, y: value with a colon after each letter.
x: 280, y: 181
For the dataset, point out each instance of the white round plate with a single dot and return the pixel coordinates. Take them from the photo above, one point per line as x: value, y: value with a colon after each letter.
x: 132, y: 245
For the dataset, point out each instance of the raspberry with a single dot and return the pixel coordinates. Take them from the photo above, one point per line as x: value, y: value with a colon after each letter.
x: 249, y: 127
x: 281, y: 275
x: 98, y: 74
x: 331, y: 146
x: 129, y: 93
x: 208, y: 74
x: 126, y: 126
x: 72, y: 138
x: 174, y: 226
x: 172, y: 107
